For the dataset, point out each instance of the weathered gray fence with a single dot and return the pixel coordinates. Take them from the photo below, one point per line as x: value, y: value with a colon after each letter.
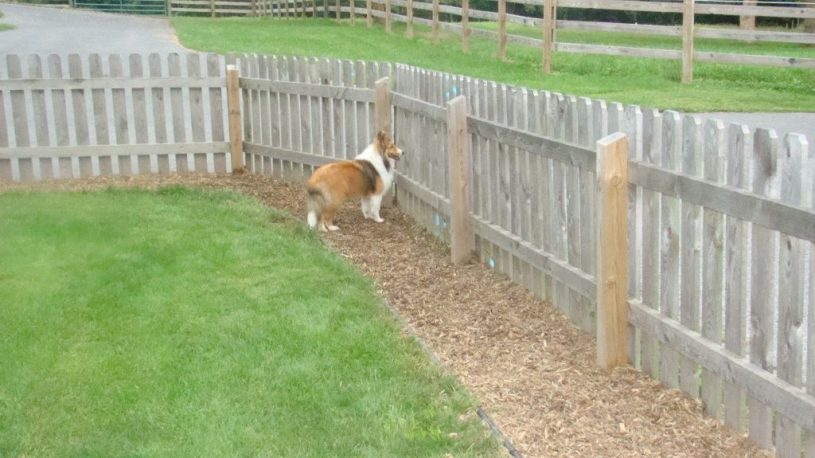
x: 70, y: 117
x: 721, y: 267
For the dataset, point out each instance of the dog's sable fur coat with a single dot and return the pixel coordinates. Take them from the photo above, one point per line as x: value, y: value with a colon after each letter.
x: 368, y: 176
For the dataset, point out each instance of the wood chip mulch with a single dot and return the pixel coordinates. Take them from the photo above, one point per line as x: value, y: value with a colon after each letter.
x: 532, y: 370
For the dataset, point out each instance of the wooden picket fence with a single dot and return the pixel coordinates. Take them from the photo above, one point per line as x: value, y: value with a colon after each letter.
x: 80, y: 116
x: 714, y: 288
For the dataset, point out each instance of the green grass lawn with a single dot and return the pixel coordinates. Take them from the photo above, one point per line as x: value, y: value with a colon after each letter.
x: 641, y: 40
x: 195, y: 323
x: 646, y: 82
x: 5, y: 26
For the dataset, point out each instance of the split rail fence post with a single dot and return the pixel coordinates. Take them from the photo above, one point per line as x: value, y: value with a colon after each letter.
x: 687, y: 40
x: 388, y: 18
x: 612, y: 251
x: 369, y: 19
x: 409, y: 29
x: 549, y: 18
x: 748, y: 22
x: 462, y: 240
x: 233, y: 93
x: 502, y: 29
x: 465, y: 25
x: 435, y: 29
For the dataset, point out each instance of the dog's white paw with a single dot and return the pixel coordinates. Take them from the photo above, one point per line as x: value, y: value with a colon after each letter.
x: 379, y: 220
x: 333, y: 228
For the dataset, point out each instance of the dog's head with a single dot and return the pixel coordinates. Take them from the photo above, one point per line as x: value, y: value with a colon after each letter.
x: 386, y: 147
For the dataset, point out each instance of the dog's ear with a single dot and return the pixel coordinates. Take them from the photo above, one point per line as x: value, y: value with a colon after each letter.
x: 382, y: 141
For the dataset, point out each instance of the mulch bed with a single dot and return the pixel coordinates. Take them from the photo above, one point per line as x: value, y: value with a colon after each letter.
x: 532, y: 370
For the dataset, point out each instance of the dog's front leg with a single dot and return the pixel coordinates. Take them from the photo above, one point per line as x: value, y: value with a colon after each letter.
x: 376, y: 202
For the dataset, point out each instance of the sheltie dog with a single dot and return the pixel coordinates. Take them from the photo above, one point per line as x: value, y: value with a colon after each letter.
x: 368, y: 176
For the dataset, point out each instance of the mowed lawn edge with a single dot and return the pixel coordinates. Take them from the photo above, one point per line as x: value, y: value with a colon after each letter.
x: 185, y: 322
x: 649, y: 83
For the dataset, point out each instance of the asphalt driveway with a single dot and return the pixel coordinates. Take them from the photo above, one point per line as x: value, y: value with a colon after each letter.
x: 47, y: 30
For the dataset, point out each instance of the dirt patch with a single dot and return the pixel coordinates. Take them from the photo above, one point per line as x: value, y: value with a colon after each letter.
x: 532, y: 370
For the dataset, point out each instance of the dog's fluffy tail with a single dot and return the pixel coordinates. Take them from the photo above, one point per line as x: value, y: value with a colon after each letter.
x: 315, y: 203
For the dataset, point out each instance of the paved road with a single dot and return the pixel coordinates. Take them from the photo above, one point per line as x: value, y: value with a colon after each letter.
x: 63, y: 31
x: 45, y: 30
x: 783, y: 123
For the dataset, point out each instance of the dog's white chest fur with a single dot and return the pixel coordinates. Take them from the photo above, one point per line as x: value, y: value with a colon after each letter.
x: 376, y: 159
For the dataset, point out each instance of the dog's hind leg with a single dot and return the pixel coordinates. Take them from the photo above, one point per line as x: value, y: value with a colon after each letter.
x: 314, y: 203
x: 366, y: 207
x: 328, y: 218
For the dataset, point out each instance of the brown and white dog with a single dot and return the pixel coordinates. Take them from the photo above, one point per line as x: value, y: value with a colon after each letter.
x: 368, y: 176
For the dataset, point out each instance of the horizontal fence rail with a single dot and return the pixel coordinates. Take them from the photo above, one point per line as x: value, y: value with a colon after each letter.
x: 720, y: 218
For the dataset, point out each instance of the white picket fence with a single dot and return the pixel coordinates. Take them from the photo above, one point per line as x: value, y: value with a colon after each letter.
x: 721, y: 265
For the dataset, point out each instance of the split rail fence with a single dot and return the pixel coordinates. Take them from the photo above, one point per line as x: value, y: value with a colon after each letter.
x: 718, y: 276
x: 427, y: 13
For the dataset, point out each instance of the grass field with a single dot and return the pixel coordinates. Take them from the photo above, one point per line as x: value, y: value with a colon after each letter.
x: 646, y: 82
x: 4, y: 26
x: 193, y: 323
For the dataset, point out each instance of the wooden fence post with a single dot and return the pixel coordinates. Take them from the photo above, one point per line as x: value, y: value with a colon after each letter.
x: 748, y: 22
x: 462, y: 241
x: 337, y: 11
x: 369, y: 19
x: 612, y: 251
x: 502, y: 29
x: 233, y: 93
x: 436, y: 22
x: 409, y: 18
x: 388, y: 18
x: 465, y: 25
x: 382, y: 105
x: 549, y: 21
x: 687, y: 40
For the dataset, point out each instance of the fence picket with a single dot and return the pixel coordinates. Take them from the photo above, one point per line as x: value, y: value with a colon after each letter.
x: 162, y: 124
x: 713, y: 274
x: 38, y: 116
x: 215, y: 68
x: 736, y: 260
x: 62, y: 134
x: 791, y: 292
x: 764, y: 166
x: 651, y: 236
x: 20, y: 168
x: 103, y: 113
x: 690, y: 255
x: 179, y: 118
x: 121, y: 115
x: 82, y: 112
x: 670, y: 247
